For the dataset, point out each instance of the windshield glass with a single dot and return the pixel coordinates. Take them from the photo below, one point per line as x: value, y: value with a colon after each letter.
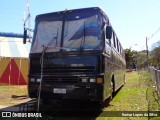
x: 81, y: 30
x: 82, y: 33
x: 46, y: 32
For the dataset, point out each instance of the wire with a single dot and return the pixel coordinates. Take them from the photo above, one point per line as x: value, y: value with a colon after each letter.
x: 148, y: 38
x: 153, y: 34
x: 40, y: 86
x: 42, y: 63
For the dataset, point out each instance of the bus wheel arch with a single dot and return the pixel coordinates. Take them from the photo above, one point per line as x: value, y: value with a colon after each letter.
x: 112, y: 84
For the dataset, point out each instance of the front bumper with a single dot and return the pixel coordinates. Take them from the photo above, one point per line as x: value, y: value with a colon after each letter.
x: 84, y: 92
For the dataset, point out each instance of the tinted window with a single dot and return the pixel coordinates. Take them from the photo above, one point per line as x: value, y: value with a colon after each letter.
x: 114, y: 40
x: 117, y: 44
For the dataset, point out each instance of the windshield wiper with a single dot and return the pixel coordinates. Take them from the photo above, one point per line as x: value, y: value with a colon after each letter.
x: 44, y: 50
x: 51, y: 42
x: 67, y: 49
x: 83, y: 39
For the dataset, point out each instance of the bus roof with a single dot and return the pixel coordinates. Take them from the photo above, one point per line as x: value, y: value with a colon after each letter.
x: 59, y: 13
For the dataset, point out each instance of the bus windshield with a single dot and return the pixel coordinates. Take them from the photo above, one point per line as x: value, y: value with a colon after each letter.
x: 80, y: 32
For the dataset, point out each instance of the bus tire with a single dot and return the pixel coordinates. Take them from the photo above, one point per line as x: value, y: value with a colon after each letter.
x: 124, y: 78
x: 112, y: 89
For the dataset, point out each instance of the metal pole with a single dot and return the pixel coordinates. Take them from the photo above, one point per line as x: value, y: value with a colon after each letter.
x: 147, y: 53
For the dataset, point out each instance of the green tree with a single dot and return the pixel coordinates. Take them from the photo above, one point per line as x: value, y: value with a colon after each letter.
x: 155, y: 57
x: 141, y: 59
x: 129, y: 58
x: 136, y: 59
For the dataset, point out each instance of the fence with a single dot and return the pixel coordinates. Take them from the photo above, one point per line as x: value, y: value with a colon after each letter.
x: 155, y: 75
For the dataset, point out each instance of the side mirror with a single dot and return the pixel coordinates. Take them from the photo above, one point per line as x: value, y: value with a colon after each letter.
x: 24, y: 36
x: 108, y: 32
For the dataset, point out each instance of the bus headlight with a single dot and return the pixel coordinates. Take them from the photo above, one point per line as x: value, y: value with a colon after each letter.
x: 38, y: 80
x: 84, y: 79
x: 32, y: 79
x: 92, y: 80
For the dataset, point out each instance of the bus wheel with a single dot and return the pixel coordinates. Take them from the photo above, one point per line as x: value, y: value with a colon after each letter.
x: 112, y: 89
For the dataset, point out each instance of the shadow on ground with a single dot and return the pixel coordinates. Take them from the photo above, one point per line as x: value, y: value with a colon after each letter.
x: 58, y: 110
x: 72, y: 109
x: 61, y: 110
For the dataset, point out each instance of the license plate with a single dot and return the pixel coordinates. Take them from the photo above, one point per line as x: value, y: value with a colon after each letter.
x: 59, y: 90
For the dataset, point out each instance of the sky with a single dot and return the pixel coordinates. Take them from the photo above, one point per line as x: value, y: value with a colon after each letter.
x: 132, y: 20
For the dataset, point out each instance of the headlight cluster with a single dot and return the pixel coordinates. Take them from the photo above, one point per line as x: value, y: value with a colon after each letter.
x: 35, y: 79
x: 92, y: 80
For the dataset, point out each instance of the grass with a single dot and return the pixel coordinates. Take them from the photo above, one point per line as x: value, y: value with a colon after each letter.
x: 138, y: 94
x: 7, y: 91
x: 131, y: 97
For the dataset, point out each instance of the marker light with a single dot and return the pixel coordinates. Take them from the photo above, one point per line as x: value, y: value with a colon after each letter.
x: 32, y: 79
x: 99, y: 80
x: 38, y: 80
x: 84, y: 79
x: 92, y: 80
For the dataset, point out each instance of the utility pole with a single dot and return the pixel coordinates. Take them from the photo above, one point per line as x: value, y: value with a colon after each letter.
x: 147, y: 52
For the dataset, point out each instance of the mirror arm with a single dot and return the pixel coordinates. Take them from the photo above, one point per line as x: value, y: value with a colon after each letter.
x: 24, y: 36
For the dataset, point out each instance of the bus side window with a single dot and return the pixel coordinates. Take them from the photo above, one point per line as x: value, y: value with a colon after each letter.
x: 114, y: 40
x: 120, y: 48
x: 117, y: 44
x: 112, y: 43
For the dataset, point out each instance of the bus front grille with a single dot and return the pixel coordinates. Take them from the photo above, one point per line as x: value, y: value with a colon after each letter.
x: 61, y: 79
x: 69, y: 69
